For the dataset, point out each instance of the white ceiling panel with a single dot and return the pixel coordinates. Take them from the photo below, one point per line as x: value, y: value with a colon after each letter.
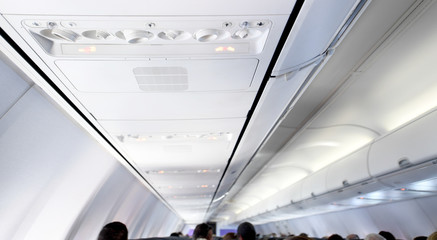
x: 394, y: 86
x: 153, y: 7
x: 173, y: 126
x: 160, y: 76
x: 177, y: 144
x: 138, y: 106
x: 201, y: 182
x: 316, y: 29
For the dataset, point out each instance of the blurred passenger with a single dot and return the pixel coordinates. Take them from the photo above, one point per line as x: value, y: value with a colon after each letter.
x: 301, y: 238
x: 420, y: 238
x: 335, y: 237
x: 246, y: 231
x: 230, y: 236
x: 303, y: 235
x: 433, y: 236
x: 289, y: 237
x: 202, y: 231
x: 352, y: 236
x: 374, y: 236
x: 113, y: 231
x: 387, y: 235
x: 175, y: 234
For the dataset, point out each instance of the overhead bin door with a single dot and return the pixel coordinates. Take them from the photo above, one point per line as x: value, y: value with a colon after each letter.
x: 349, y: 170
x: 411, y: 144
x: 315, y: 184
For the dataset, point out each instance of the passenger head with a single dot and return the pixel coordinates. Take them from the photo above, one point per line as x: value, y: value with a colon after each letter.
x: 202, y: 230
x: 420, y: 238
x: 113, y: 231
x: 387, y: 235
x: 352, y: 237
x: 246, y: 231
x: 301, y: 238
x: 374, y: 236
x: 230, y: 236
x: 433, y: 236
x: 175, y: 234
x: 335, y: 237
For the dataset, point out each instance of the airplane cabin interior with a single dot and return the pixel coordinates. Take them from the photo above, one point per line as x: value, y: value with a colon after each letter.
x: 298, y: 116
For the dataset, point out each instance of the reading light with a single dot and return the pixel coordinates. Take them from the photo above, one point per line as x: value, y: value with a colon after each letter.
x: 97, y: 34
x: 62, y: 34
x: 87, y: 49
x: 241, y: 34
x: 208, y: 35
x: 173, y: 35
x: 135, y: 36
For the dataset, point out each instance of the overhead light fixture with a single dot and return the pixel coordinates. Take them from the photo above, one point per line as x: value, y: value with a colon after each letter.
x: 54, y: 32
x: 97, y: 35
x: 173, y: 35
x: 135, y: 36
x: 209, y: 35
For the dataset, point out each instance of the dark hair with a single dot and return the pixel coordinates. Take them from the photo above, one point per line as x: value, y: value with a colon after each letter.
x: 175, y: 234
x: 230, y: 236
x: 387, y: 235
x: 335, y: 237
x: 420, y: 238
x: 246, y: 231
x: 113, y: 231
x: 201, y: 231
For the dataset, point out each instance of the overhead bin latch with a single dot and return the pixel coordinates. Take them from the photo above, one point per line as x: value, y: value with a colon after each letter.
x: 404, y: 163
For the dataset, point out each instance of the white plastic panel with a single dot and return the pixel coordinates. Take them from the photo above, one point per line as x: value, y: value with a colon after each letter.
x: 418, y: 173
x: 413, y: 142
x: 50, y: 188
x: 352, y: 169
x: 188, y: 105
x: 294, y: 192
x: 313, y: 31
x: 153, y: 8
x: 173, y: 126
x: 164, y: 76
x: 43, y: 194
x: 314, y: 184
x: 12, y: 87
x: 177, y: 144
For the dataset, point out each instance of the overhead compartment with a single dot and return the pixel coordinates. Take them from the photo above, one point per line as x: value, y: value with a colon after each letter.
x: 293, y: 193
x: 314, y: 184
x: 339, y: 173
x: 316, y: 30
x: 412, y: 144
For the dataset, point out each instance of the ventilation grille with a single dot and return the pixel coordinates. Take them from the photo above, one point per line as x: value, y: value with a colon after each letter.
x: 161, y: 79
